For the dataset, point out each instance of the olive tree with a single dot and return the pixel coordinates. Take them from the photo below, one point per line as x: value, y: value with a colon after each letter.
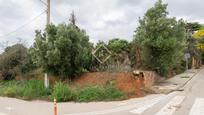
x: 62, y: 50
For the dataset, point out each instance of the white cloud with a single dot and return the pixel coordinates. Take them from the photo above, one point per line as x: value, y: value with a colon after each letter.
x: 102, y: 19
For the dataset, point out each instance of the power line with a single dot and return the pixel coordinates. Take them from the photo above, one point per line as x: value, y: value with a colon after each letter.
x: 47, y: 4
x: 47, y: 9
x: 43, y: 2
x: 22, y: 26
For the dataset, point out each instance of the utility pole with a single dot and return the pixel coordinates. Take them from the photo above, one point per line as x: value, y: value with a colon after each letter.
x: 48, y: 12
x: 46, y: 79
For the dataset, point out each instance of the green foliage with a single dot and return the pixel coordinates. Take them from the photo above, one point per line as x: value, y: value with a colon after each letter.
x: 24, y: 89
x: 90, y: 93
x: 9, y: 89
x: 15, y: 60
x: 97, y: 93
x: 118, y: 46
x: 62, y: 92
x: 199, y: 34
x: 202, y: 57
x: 65, y: 50
x: 112, y: 93
x: 194, y: 26
x: 34, y: 89
x: 161, y: 39
x: 119, y: 56
x: 192, y: 43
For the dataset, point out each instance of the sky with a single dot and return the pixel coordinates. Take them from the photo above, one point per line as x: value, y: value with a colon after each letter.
x: 102, y: 19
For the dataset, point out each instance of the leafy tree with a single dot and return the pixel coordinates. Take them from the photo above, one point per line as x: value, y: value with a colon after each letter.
x: 161, y: 39
x: 199, y: 34
x: 198, y: 45
x: 117, y: 45
x: 192, y: 42
x: 65, y: 50
x: 120, y: 51
x: 119, y: 59
x: 99, y: 43
x: 15, y: 60
x: 193, y: 26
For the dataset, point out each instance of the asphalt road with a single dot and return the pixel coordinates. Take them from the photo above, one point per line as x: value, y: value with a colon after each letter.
x: 187, y: 102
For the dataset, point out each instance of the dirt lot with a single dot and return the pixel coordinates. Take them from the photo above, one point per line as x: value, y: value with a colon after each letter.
x: 126, y: 82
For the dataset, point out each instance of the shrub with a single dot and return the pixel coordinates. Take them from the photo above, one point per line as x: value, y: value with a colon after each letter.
x: 9, y: 89
x: 97, y: 93
x: 33, y: 88
x: 89, y: 93
x: 62, y: 92
x: 10, y: 92
x: 8, y: 74
x: 112, y: 93
x: 25, y: 89
x: 15, y: 60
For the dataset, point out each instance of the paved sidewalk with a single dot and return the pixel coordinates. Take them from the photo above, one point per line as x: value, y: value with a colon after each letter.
x: 175, y: 83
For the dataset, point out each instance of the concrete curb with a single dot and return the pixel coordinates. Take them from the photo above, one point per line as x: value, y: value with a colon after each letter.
x: 181, y: 87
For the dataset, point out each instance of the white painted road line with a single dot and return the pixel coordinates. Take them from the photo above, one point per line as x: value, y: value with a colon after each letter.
x: 198, y: 107
x: 171, y: 107
x: 128, y: 107
x: 145, y: 107
x: 118, y: 109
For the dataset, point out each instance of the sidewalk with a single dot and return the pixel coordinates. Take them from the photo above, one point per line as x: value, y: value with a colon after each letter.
x: 175, y: 83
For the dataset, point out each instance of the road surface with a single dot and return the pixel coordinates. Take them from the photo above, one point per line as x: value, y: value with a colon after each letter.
x: 187, y: 102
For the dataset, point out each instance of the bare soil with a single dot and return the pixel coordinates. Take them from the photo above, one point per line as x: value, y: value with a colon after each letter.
x: 126, y: 82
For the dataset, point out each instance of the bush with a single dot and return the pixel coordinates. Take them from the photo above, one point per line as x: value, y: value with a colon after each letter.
x: 8, y: 74
x: 90, y: 93
x: 34, y: 88
x: 8, y: 89
x: 96, y: 93
x: 27, y: 90
x: 112, y: 93
x: 15, y: 60
x: 62, y: 92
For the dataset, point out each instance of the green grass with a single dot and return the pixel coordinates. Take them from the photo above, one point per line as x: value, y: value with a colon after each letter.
x: 97, y: 93
x: 34, y: 89
x: 89, y: 93
x: 62, y: 92
x: 30, y: 89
